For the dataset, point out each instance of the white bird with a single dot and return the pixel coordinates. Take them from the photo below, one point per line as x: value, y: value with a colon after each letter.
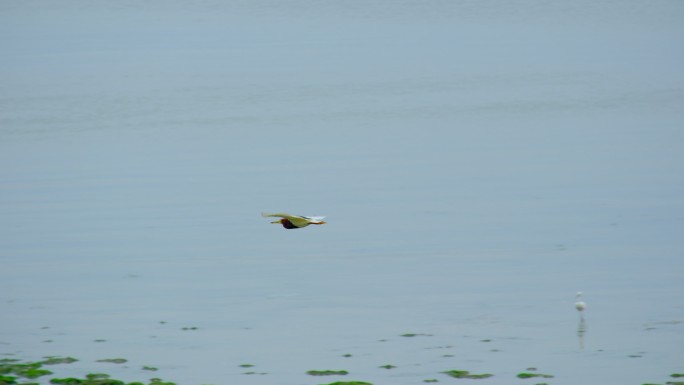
x: 295, y: 221
x: 579, y: 304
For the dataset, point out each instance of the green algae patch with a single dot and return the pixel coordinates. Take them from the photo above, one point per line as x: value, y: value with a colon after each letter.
x: 525, y: 375
x: 30, y: 370
x: 8, y: 380
x: 388, y: 366
x: 114, y: 360
x: 466, y: 374
x: 159, y: 381
x: 415, y: 335
x: 677, y: 375
x: 327, y: 372
x: 35, y: 373
x: 349, y: 383
x: 103, y: 379
x: 84, y: 381
x: 431, y: 380
x: 12, y: 370
x: 58, y: 360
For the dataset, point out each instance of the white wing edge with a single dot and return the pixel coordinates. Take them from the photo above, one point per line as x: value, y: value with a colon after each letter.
x: 285, y: 215
x: 317, y: 219
x: 281, y: 215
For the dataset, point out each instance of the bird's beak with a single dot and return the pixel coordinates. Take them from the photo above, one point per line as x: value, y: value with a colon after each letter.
x: 276, y: 222
x: 321, y: 223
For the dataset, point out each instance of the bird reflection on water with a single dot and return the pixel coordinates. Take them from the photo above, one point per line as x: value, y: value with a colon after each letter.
x: 582, y: 327
x: 581, y: 331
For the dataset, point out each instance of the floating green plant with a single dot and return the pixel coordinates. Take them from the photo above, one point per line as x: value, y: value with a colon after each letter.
x: 525, y: 375
x: 11, y: 370
x: 327, y: 372
x: 58, y: 360
x: 8, y: 380
x: 415, y: 335
x: 349, y: 383
x: 466, y: 374
x: 431, y: 380
x: 159, y: 381
x: 677, y: 375
x: 388, y: 366
x: 150, y: 368
x: 246, y: 365
x: 29, y: 370
x: 86, y: 381
x: 114, y: 360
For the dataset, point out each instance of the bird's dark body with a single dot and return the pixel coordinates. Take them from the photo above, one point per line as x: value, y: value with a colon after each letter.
x: 287, y: 224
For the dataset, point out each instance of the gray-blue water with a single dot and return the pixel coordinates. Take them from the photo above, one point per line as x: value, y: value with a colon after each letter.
x: 479, y: 162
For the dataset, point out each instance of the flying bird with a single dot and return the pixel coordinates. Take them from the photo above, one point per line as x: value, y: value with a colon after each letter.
x: 579, y: 304
x: 295, y: 221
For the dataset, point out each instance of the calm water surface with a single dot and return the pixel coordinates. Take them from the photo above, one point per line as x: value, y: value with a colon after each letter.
x: 479, y: 163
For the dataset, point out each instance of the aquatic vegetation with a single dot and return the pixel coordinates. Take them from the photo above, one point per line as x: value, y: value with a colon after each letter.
x: 415, y: 335
x: 431, y: 380
x: 102, y: 379
x: 159, y: 381
x: 86, y: 381
x: 11, y: 370
x: 466, y: 374
x: 388, y: 366
x: 97, y: 376
x: 246, y: 365
x: 677, y: 375
x: 114, y: 360
x: 349, y: 383
x: 150, y: 368
x: 525, y: 375
x: 8, y: 380
x: 30, y: 370
x: 327, y: 372
x: 58, y: 360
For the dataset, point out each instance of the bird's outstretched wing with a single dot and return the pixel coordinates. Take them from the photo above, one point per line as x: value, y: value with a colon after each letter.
x: 280, y: 215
